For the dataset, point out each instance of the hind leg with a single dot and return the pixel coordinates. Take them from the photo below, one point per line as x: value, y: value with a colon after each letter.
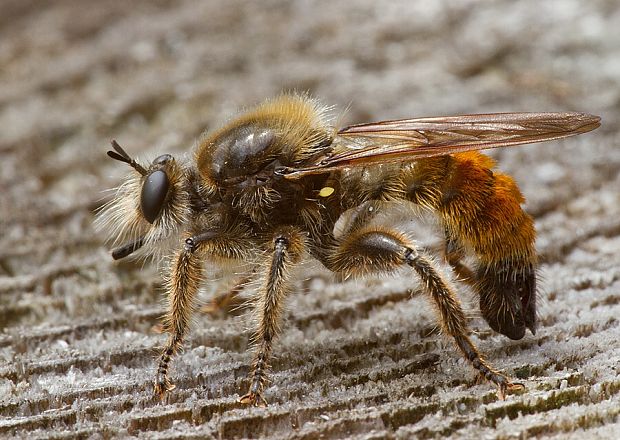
x: 375, y: 249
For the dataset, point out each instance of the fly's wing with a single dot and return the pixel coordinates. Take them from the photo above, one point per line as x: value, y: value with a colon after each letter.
x: 406, y: 140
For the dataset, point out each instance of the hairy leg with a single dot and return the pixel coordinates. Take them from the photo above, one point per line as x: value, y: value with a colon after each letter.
x: 376, y: 249
x: 182, y: 284
x: 455, y: 253
x: 286, y: 249
x: 229, y: 302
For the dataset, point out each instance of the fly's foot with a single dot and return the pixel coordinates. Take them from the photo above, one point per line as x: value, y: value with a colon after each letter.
x: 509, y: 387
x: 229, y: 303
x: 254, y: 399
x: 162, y: 387
x: 504, y: 385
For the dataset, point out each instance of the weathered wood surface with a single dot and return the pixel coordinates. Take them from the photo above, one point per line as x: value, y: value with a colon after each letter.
x: 358, y: 359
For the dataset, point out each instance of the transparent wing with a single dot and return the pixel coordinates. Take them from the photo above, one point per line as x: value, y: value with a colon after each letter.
x: 412, y: 139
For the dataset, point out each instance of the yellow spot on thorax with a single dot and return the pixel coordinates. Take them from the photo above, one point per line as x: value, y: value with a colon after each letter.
x: 326, y: 191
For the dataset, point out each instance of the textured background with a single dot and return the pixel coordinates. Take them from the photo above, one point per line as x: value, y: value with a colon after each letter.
x: 358, y: 358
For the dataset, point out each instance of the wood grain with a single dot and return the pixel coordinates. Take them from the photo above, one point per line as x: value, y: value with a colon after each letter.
x: 358, y: 359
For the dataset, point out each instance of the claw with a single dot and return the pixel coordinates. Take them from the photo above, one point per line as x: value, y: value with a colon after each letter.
x: 162, y: 387
x: 253, y: 399
x: 504, y: 385
x: 508, y: 387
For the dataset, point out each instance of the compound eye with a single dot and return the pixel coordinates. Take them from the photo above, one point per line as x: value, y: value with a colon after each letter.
x: 154, y: 193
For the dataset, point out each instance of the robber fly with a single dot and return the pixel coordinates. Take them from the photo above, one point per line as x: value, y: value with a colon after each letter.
x: 268, y: 188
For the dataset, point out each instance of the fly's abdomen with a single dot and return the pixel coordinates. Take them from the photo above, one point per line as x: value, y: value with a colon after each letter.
x: 481, y: 211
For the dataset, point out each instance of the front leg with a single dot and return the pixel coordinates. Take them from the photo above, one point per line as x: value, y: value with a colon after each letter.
x: 286, y: 249
x: 182, y: 284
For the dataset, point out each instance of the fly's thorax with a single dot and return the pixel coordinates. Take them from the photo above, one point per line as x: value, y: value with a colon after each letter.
x: 243, y: 151
x: 283, y: 131
x: 239, y: 161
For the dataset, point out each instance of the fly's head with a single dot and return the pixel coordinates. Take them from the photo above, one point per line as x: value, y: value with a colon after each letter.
x: 150, y: 206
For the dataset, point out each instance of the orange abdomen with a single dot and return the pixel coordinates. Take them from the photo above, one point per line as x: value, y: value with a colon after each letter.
x: 481, y: 213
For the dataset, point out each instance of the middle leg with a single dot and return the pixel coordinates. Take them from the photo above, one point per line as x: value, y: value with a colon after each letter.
x: 286, y: 249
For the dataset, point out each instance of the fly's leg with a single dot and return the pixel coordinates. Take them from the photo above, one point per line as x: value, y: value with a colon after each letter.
x: 286, y: 249
x: 454, y: 322
x: 227, y: 302
x: 375, y: 249
x: 455, y: 253
x: 182, y: 284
